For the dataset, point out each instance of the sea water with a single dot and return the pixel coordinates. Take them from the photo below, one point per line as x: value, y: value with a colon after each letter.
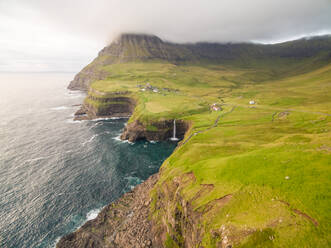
x: 56, y: 173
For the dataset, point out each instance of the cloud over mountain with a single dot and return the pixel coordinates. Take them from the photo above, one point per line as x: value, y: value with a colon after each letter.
x: 73, y: 27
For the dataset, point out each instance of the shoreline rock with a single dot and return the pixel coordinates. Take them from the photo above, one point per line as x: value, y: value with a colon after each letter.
x: 123, y: 223
x: 116, y: 106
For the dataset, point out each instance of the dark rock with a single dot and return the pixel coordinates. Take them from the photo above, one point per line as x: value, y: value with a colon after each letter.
x: 117, y: 225
x: 114, y: 106
x: 164, y: 131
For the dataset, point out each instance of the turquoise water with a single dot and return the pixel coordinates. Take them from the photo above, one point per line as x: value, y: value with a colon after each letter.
x: 55, y: 173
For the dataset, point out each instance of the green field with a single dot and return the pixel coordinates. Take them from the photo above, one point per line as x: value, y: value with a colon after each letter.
x: 262, y: 172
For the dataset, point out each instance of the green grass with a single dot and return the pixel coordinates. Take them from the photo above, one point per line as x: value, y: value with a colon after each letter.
x: 273, y: 158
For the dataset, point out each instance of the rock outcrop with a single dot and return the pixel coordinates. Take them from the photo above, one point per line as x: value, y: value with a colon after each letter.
x: 162, y: 130
x: 123, y: 224
x: 113, y: 106
x: 178, y: 221
x: 89, y: 74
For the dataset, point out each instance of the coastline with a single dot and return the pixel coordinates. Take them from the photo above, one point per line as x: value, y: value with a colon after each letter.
x: 238, y: 176
x: 123, y: 223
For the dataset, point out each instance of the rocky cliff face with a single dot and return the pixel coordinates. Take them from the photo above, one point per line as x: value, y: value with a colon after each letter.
x: 113, y: 106
x: 119, y: 105
x: 89, y: 74
x: 178, y: 223
x: 123, y: 224
x: 129, y: 47
x: 163, y: 131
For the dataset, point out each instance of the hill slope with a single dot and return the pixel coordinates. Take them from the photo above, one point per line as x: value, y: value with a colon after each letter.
x: 243, y: 175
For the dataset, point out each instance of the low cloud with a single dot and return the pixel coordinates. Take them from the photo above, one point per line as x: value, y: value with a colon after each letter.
x: 77, y: 29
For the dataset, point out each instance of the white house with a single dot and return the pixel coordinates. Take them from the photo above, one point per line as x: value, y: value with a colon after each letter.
x: 215, y: 107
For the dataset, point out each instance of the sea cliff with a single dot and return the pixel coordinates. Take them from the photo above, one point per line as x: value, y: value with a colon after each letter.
x: 250, y: 169
x: 123, y: 223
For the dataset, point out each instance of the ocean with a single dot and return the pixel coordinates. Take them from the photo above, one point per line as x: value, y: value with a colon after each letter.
x: 56, y: 173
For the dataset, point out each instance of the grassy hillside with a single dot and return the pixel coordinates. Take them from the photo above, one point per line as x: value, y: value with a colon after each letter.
x: 248, y: 175
x: 254, y: 175
x: 272, y: 59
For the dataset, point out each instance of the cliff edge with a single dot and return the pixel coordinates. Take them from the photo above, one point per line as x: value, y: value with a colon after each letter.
x: 252, y: 168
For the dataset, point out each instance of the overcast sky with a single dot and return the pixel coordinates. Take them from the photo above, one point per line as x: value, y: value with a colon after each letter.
x: 65, y: 35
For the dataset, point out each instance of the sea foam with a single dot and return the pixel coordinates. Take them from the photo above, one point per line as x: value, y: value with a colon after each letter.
x: 93, y: 214
x: 118, y: 138
x: 60, y: 108
x: 90, y: 140
x: 109, y: 118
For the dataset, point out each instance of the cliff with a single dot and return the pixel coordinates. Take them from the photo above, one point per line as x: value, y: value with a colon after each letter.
x: 117, y: 104
x: 124, y: 223
x: 251, y: 173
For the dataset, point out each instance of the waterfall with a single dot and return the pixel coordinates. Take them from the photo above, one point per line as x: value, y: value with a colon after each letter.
x: 174, y: 132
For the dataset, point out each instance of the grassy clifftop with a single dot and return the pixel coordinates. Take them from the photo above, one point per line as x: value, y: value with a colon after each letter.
x: 271, y: 160
x: 248, y: 175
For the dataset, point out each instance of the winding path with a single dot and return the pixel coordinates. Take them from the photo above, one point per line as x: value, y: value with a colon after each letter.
x: 208, y: 128
x: 255, y: 106
x: 277, y: 109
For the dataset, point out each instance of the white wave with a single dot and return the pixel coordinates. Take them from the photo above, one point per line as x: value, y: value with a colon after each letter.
x: 94, y: 120
x: 90, y: 140
x: 153, y: 141
x: 75, y: 94
x: 71, y: 121
x: 96, y: 124
x: 35, y: 159
x: 102, y: 119
x: 118, y: 138
x: 56, y: 241
x: 60, y: 108
x: 93, y: 214
x: 109, y: 118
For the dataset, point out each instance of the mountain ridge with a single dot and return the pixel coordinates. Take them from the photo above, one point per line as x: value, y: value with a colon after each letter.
x: 145, y: 47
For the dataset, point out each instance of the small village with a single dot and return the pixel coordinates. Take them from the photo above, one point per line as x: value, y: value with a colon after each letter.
x: 151, y: 88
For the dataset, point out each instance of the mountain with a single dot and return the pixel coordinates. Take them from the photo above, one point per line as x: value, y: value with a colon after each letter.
x: 142, y: 47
